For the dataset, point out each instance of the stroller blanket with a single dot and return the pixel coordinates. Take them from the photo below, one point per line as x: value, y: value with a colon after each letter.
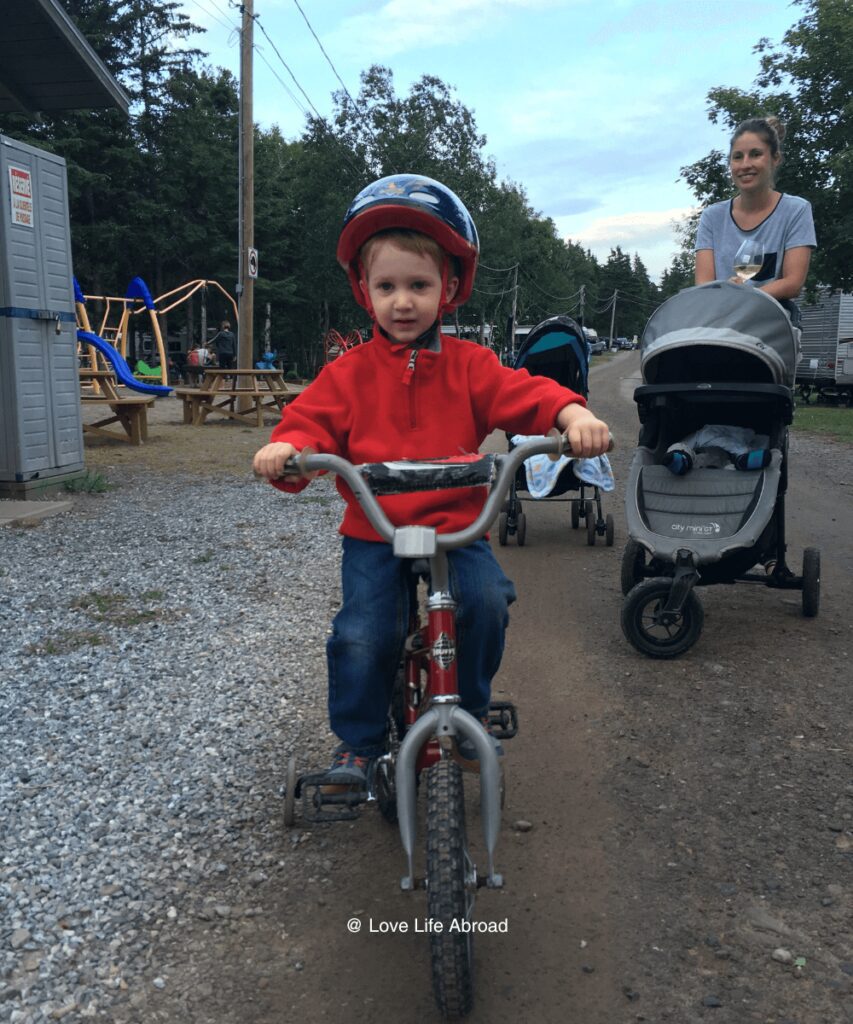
x: 542, y: 473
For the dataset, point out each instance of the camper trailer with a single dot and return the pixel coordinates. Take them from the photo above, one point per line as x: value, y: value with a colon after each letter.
x: 825, y: 367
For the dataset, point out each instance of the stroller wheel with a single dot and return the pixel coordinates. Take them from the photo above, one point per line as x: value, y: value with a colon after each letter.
x: 503, y: 529
x: 588, y: 510
x: 642, y: 626
x: 590, y: 527
x: 576, y: 513
x: 609, y: 530
x: 811, y: 582
x: 633, y: 563
x: 521, y: 529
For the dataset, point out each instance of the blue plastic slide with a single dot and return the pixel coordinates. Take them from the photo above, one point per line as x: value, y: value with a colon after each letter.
x: 124, y: 375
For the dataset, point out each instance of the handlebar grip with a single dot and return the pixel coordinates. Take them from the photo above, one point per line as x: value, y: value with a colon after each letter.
x: 565, y: 448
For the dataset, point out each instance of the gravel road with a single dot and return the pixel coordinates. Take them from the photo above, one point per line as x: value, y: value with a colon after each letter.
x: 690, y: 839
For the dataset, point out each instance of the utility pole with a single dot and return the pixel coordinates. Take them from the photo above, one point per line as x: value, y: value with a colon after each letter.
x: 583, y: 292
x: 512, y: 317
x: 246, y: 285
x: 613, y: 317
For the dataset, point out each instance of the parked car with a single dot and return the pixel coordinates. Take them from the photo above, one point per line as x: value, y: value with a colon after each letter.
x: 596, y: 346
x: 621, y: 343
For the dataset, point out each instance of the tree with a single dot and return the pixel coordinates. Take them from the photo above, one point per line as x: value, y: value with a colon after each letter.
x: 807, y: 81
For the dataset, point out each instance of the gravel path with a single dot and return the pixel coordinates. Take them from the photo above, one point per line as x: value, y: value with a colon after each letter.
x: 144, y: 715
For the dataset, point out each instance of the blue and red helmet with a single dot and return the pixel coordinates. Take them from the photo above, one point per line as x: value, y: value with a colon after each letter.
x: 416, y: 203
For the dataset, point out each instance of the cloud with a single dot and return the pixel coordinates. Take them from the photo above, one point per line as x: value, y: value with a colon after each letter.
x: 642, y: 227
x: 571, y: 205
x: 398, y: 26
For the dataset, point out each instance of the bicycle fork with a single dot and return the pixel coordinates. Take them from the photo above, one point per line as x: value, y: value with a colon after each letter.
x: 444, y: 719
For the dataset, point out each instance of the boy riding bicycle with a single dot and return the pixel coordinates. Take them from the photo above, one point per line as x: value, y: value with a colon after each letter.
x: 410, y: 250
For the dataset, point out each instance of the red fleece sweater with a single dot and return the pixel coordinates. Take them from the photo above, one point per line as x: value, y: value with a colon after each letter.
x: 367, y: 406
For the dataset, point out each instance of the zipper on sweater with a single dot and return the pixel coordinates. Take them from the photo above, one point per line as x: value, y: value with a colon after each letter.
x: 409, y: 372
x: 408, y: 380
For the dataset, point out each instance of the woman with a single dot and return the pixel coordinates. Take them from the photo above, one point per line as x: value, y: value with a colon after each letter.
x: 782, y: 223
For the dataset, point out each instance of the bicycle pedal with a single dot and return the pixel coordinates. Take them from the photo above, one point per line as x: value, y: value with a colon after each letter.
x: 323, y: 801
x: 503, y: 719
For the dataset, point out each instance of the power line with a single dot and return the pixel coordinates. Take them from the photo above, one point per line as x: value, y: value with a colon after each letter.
x: 281, y: 82
x: 287, y: 68
x: 557, y: 298
x: 328, y: 58
x: 232, y: 26
x: 497, y: 270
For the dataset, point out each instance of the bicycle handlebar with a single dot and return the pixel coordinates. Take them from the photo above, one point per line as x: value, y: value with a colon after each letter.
x: 307, y: 462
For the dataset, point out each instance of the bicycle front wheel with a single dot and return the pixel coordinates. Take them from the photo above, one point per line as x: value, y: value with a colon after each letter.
x: 451, y: 882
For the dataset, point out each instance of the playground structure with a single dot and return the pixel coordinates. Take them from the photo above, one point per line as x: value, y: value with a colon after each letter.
x: 335, y: 344
x: 116, y: 313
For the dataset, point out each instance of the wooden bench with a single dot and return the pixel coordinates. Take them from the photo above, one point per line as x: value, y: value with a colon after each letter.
x: 131, y: 413
x: 199, y: 403
x: 190, y: 398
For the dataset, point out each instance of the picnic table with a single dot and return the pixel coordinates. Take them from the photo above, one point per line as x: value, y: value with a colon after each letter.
x: 99, y: 387
x: 242, y: 395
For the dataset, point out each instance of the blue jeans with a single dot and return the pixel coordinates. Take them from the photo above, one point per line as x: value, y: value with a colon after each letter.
x: 368, y: 633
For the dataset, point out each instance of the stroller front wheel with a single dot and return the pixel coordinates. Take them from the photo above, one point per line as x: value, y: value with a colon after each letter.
x: 633, y: 564
x: 645, y: 625
x: 503, y: 529
x: 811, y: 582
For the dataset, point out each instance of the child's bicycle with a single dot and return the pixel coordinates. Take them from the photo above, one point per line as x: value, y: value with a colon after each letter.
x: 425, y: 719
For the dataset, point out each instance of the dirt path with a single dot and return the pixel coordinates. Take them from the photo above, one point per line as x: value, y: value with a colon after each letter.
x: 688, y: 818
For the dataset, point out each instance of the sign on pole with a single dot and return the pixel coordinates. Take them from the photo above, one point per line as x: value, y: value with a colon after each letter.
x: 252, y: 263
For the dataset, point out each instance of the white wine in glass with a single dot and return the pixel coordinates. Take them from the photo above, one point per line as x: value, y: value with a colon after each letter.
x: 748, y: 260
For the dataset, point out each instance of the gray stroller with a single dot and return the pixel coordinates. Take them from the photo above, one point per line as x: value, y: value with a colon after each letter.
x: 725, y: 355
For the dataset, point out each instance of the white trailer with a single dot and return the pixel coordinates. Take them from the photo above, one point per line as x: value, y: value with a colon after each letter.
x: 825, y: 367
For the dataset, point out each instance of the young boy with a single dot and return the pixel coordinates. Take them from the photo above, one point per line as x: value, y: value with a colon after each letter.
x: 410, y: 250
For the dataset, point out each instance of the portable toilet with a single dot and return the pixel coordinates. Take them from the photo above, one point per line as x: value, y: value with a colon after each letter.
x: 41, y: 436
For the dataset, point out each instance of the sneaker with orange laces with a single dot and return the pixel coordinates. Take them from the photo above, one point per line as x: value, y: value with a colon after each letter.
x: 348, y: 768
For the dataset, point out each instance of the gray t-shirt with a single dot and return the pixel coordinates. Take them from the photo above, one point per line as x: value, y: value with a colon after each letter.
x: 789, y: 225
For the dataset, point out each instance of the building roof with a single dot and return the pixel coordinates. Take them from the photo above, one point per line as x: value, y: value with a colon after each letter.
x: 46, y: 64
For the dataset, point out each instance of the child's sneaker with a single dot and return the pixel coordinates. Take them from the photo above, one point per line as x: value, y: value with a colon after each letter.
x: 348, y: 768
x: 466, y: 747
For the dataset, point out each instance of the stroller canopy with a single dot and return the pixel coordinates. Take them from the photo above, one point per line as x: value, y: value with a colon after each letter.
x: 719, y: 332
x: 556, y: 348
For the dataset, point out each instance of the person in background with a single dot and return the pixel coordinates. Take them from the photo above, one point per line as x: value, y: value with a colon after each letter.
x: 225, y: 347
x: 192, y: 370
x: 782, y: 223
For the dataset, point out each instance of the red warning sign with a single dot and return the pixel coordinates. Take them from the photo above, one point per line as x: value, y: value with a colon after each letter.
x: 21, y: 196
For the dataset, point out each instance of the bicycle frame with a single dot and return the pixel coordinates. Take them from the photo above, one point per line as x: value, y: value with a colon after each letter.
x: 434, y: 717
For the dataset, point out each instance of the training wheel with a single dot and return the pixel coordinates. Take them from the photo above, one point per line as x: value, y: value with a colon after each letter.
x: 290, y: 793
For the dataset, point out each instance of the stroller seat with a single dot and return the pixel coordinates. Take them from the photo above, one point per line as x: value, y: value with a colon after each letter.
x: 703, y: 510
x: 556, y: 348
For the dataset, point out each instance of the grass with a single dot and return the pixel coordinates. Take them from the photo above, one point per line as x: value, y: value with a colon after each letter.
x: 829, y: 421
x: 107, y: 606
x: 91, y: 482
x: 65, y: 641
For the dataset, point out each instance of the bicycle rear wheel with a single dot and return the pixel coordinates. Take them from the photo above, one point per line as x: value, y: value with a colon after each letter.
x: 451, y: 881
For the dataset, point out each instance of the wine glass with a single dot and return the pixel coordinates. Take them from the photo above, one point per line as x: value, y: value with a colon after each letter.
x: 749, y: 259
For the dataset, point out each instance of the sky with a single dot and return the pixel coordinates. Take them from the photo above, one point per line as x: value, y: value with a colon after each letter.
x: 593, y: 106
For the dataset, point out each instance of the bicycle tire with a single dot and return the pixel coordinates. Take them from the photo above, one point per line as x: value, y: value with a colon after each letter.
x: 449, y: 899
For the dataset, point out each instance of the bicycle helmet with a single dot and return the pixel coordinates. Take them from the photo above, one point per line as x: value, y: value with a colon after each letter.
x: 416, y: 203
